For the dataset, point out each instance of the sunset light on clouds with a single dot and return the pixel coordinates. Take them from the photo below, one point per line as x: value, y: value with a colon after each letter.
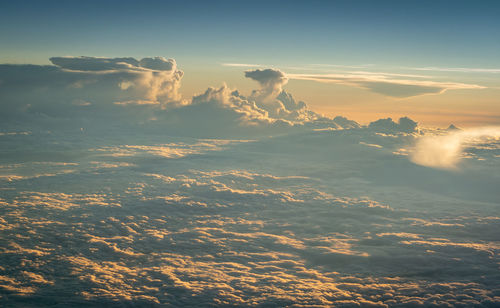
x: 235, y: 154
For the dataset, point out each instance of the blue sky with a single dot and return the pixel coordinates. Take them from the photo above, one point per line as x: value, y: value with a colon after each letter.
x: 447, y: 41
x: 451, y: 33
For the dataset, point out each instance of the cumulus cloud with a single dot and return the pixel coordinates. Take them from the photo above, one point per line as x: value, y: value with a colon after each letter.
x: 271, y: 80
x: 404, y: 125
x: 100, y: 92
x: 446, y: 151
x: 276, y: 101
x: 157, y: 79
x: 88, y: 87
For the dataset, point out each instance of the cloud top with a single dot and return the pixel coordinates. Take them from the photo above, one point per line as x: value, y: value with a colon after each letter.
x: 109, y: 64
x: 446, y: 151
x: 267, y: 77
x: 404, y: 125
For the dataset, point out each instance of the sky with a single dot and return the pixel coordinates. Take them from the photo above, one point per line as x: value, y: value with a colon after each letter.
x: 325, y: 48
x: 249, y: 154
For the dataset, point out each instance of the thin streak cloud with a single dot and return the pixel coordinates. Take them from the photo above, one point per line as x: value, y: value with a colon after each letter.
x: 385, y: 84
x: 241, y: 65
x: 457, y: 69
x: 343, y: 66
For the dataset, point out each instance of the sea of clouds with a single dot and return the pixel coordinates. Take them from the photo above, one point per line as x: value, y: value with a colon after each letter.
x: 117, y: 191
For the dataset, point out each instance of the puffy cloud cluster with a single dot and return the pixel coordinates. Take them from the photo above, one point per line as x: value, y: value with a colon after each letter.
x: 102, y: 93
x: 272, y: 98
x: 155, y: 80
x: 88, y: 89
x: 404, y: 125
x: 267, y: 110
x: 271, y: 80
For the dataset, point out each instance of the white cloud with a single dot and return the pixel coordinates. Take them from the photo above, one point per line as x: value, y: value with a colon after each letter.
x: 458, y: 69
x: 241, y: 65
x: 446, y: 151
x: 88, y: 82
x: 404, y: 125
x: 387, y: 84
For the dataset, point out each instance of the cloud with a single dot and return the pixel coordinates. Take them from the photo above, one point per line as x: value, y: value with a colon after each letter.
x: 271, y: 80
x: 386, y: 84
x: 290, y: 209
x: 268, y: 110
x: 404, y: 125
x: 101, y: 92
x: 458, y: 69
x: 446, y: 151
x: 239, y: 238
x: 94, y: 63
x: 277, y: 102
x: 303, y: 218
x: 113, y: 64
x: 241, y: 65
x: 157, y: 79
x: 77, y: 87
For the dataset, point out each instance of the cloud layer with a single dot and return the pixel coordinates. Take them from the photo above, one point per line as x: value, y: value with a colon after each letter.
x: 115, y: 191
x: 146, y: 220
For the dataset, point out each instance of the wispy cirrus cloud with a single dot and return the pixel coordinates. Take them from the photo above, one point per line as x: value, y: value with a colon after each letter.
x: 457, y: 69
x: 388, y: 84
x: 241, y: 65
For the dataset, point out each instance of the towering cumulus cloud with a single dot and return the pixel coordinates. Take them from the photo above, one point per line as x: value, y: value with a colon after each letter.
x: 156, y: 80
x: 76, y: 86
x: 271, y: 81
x: 279, y: 103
